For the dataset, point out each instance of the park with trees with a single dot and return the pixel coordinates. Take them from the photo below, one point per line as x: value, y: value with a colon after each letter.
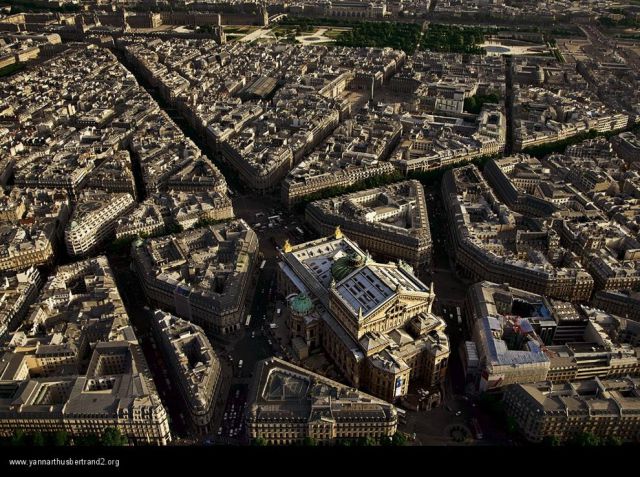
x: 110, y: 437
x: 453, y: 39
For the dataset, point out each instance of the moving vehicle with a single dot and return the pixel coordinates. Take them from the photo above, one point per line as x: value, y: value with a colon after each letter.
x: 402, y: 415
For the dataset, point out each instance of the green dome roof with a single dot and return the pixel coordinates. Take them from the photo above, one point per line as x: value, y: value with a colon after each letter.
x: 345, y: 265
x: 302, y: 304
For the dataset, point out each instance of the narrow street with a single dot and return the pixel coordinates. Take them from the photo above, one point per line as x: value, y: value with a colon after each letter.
x: 141, y: 315
x: 508, y: 104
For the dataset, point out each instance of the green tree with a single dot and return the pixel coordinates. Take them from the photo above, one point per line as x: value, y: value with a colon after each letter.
x: 259, y: 441
x: 174, y: 228
x: 343, y: 443
x: 60, y: 438
x: 10, y: 69
x: 112, y: 437
x: 18, y: 438
x: 366, y: 441
x: 38, y: 439
x: 121, y: 245
x: 470, y: 104
x: 309, y: 441
x: 613, y: 441
x: 543, y: 150
x: 397, y: 35
x: 399, y: 439
x: 205, y: 222
x: 586, y: 439
x: 551, y: 441
x: 454, y: 39
x: 474, y: 103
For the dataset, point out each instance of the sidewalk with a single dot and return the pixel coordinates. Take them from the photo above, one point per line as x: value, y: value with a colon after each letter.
x: 221, y: 393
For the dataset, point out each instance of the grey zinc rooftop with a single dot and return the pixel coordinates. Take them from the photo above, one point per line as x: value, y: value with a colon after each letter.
x: 369, y: 287
x: 282, y: 391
